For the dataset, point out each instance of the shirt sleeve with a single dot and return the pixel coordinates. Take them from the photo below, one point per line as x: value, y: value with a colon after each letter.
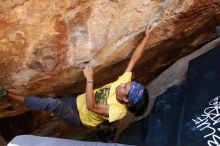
x: 125, y: 77
x: 116, y: 113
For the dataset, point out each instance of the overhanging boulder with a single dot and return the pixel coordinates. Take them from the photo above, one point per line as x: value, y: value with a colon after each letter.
x: 44, y: 43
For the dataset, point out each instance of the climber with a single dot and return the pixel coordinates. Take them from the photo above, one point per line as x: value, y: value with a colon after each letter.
x: 109, y: 102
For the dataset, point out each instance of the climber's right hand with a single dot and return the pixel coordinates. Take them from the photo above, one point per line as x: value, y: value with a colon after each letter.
x: 88, y: 72
x: 148, y: 30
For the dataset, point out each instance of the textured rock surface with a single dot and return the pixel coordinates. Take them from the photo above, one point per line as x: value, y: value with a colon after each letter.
x: 43, y: 43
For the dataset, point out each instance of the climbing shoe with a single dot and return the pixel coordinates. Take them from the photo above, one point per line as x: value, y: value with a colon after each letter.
x: 3, y: 92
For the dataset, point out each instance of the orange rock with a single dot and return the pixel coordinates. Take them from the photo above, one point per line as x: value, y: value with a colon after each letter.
x: 43, y: 43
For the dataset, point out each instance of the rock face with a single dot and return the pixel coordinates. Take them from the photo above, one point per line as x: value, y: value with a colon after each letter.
x: 44, y: 43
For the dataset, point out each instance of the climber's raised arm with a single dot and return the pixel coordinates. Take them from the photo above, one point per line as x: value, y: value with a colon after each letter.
x: 91, y: 104
x: 139, y: 50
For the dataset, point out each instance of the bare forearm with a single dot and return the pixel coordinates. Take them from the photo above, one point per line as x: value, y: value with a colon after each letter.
x: 137, y: 53
x: 90, y: 100
x: 139, y: 50
x: 91, y: 104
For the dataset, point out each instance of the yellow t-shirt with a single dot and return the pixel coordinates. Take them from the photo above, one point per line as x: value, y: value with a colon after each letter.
x: 105, y: 95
